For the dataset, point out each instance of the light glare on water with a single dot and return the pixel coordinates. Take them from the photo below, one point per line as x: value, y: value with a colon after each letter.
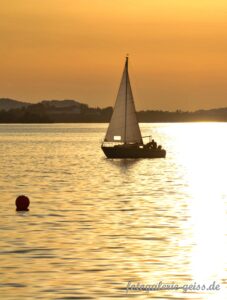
x: 95, y: 224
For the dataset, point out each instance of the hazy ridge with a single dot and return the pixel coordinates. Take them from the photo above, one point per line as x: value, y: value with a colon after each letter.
x: 65, y: 111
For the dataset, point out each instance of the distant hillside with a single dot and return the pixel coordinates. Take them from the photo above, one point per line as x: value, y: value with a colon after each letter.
x: 55, y: 111
x: 71, y: 111
x: 7, y: 104
x: 61, y: 103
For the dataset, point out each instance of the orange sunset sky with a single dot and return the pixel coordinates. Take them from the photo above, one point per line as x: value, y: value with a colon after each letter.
x: 75, y: 49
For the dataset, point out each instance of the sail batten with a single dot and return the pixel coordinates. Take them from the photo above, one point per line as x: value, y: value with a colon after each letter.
x: 124, y: 126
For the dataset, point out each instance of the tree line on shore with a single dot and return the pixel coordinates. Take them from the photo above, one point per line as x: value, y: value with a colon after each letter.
x: 46, y: 113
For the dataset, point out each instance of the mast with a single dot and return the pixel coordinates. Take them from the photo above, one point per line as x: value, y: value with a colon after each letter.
x: 126, y: 96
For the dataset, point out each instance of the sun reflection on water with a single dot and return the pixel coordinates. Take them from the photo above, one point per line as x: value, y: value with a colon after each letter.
x: 206, y: 172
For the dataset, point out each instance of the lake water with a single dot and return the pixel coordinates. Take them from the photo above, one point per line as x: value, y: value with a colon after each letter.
x: 95, y: 224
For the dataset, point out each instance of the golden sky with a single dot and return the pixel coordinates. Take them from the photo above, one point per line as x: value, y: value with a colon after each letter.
x: 75, y: 49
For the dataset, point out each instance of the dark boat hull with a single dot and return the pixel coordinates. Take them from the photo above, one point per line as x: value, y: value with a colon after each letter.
x: 123, y: 152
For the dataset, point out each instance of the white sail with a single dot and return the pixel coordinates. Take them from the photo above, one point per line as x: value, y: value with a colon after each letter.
x: 124, y: 126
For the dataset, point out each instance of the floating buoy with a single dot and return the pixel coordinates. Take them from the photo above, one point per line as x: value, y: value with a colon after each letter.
x: 22, y: 203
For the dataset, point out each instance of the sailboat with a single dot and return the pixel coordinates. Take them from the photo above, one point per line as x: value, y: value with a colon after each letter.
x: 123, y: 137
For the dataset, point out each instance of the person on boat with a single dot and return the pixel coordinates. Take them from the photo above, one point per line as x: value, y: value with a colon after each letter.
x: 153, y: 144
x: 148, y: 145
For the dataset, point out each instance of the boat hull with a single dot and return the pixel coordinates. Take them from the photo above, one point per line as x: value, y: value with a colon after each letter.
x: 122, y: 152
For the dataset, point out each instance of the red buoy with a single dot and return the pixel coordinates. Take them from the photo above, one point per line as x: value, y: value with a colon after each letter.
x: 22, y: 203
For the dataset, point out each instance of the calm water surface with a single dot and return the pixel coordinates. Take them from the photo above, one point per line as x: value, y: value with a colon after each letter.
x: 95, y: 224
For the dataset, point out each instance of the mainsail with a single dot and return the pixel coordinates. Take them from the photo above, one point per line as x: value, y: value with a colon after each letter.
x: 124, y: 126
